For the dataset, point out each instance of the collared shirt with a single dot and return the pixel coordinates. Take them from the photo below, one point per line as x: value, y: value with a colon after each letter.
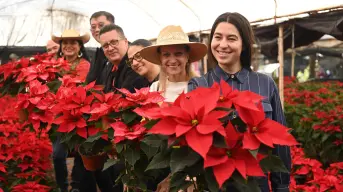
x: 265, y: 86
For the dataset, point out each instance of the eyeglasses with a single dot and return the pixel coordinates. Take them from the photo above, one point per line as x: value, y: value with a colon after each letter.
x: 136, y: 57
x: 112, y: 43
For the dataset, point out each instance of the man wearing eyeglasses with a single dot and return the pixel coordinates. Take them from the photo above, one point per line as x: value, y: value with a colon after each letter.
x: 116, y: 72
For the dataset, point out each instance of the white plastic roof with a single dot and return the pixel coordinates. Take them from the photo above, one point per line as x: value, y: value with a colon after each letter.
x: 31, y: 22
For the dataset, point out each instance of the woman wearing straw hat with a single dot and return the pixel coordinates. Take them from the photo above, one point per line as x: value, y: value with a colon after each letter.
x: 174, y: 53
x: 72, y: 49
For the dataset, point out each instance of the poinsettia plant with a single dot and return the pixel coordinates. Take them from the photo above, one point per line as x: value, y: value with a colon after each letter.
x: 28, y: 87
x: 221, y: 141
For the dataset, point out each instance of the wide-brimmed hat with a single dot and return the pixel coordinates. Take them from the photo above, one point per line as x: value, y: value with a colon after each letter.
x: 71, y: 34
x: 173, y: 35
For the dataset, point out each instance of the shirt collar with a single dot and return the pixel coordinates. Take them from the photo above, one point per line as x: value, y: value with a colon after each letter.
x: 240, y: 76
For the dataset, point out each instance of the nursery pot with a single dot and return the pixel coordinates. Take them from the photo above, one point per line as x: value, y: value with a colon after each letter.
x: 93, y: 162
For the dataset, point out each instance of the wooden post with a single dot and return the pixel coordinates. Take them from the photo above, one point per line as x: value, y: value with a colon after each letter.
x: 293, y: 51
x: 280, y: 44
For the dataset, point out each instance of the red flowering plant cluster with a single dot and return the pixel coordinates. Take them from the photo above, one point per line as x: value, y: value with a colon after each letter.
x: 315, y: 111
x: 79, y: 115
x: 25, y: 157
x: 221, y: 140
x: 28, y: 100
x: 309, y: 175
x: 133, y: 147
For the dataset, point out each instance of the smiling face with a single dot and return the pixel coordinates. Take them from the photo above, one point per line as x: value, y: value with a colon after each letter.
x: 174, y: 59
x: 70, y: 47
x: 138, y: 64
x: 52, y: 47
x: 114, y: 45
x: 226, y: 45
x: 96, y: 24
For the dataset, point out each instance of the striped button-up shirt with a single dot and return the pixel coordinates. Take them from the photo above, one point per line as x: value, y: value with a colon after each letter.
x: 265, y: 86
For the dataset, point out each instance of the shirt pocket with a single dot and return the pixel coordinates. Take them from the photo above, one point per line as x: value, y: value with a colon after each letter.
x: 267, y: 108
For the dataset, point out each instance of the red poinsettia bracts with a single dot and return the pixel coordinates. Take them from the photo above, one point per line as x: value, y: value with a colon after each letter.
x: 78, y: 101
x: 195, y: 119
x: 31, y: 186
x: 266, y: 131
x: 142, y: 96
x: 69, y: 121
x: 225, y: 161
x: 122, y: 131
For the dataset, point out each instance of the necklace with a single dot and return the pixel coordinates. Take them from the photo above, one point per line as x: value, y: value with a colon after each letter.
x: 74, y: 63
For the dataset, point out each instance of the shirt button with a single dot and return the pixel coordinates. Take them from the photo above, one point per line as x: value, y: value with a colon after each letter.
x: 232, y: 76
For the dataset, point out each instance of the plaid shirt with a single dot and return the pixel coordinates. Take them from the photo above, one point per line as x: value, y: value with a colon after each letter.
x: 265, y: 86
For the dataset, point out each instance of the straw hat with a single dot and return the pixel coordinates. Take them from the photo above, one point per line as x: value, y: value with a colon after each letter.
x: 173, y: 35
x: 71, y: 34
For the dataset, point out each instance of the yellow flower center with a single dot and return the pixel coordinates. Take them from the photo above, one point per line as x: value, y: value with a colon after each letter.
x: 254, y: 130
x: 228, y: 153
x: 195, y: 122
x: 221, y: 98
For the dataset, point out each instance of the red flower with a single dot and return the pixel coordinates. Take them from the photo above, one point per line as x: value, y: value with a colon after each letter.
x: 122, y: 131
x: 193, y: 117
x: 87, y: 131
x: 266, y: 131
x: 225, y: 160
x: 30, y: 186
x: 239, y: 99
x: 69, y: 121
x: 2, y: 168
x: 142, y: 96
x: 79, y: 101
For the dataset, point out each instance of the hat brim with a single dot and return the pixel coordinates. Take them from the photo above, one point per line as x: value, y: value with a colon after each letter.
x: 84, y: 38
x: 197, y: 51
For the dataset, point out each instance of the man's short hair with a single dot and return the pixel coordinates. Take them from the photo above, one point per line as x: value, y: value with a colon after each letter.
x: 112, y: 27
x: 108, y: 16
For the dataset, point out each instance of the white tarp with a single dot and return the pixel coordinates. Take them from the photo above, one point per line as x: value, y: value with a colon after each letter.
x: 31, y: 22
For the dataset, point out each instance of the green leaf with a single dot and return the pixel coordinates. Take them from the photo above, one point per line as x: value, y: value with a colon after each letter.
x: 325, y: 137
x: 98, y: 124
x: 128, y: 117
x: 159, y: 161
x: 110, y: 133
x: 245, y: 185
x: 273, y: 163
x: 93, y: 138
x: 119, y: 147
x: 315, y: 135
x: 109, y: 163
x: 254, y: 153
x: 219, y: 141
x: 181, y: 158
x: 211, y: 180
x: 150, y: 123
x: 131, y: 156
x: 54, y: 85
x: 21, y: 88
x: 148, y: 150
x: 154, y: 140
x: 66, y: 138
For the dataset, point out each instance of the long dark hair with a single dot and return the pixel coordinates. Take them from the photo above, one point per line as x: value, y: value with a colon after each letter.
x: 246, y: 33
x: 82, y: 50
